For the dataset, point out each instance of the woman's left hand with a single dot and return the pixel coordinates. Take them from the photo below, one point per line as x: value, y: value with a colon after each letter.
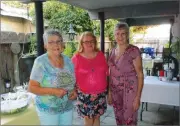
x: 136, y: 103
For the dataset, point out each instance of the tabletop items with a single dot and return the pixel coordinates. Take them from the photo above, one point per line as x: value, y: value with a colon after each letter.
x: 166, y: 71
x: 15, y: 102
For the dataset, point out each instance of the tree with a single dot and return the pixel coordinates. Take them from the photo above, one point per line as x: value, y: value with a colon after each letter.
x: 60, y: 16
x: 71, y: 15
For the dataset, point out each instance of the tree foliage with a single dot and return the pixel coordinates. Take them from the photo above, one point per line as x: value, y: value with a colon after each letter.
x: 71, y: 15
x: 139, y: 30
x: 109, y: 28
x: 16, y: 4
x: 59, y: 15
x: 70, y: 48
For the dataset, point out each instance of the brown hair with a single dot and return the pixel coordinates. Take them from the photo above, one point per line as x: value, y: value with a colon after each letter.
x: 80, y: 47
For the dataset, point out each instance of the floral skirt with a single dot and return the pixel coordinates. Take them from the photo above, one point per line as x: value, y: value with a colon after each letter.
x: 91, y: 105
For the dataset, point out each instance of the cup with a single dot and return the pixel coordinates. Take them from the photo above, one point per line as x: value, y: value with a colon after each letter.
x: 161, y: 73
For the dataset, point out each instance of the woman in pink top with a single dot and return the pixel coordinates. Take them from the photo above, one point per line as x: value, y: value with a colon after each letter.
x: 91, y: 71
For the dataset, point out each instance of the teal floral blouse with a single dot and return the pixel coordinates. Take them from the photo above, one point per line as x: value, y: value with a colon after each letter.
x: 52, y: 77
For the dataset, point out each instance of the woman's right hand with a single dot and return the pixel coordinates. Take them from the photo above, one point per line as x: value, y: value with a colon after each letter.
x: 60, y: 92
x: 109, y: 98
x: 73, y: 95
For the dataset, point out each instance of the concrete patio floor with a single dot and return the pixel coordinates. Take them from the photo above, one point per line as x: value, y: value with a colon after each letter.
x: 156, y: 115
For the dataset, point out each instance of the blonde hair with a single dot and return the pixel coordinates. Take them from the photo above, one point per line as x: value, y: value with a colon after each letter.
x: 121, y: 25
x: 80, y: 47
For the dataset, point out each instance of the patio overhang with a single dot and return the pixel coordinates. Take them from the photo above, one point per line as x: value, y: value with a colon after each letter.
x: 143, y: 12
x: 122, y: 9
x: 31, y: 1
x: 149, y: 20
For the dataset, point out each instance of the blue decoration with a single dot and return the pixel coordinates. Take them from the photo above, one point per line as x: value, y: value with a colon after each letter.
x: 150, y: 51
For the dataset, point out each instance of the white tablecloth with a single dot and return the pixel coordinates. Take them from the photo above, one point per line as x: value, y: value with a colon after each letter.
x: 160, y: 92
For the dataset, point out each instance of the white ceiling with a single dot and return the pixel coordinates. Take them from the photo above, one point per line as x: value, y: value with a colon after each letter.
x: 123, y: 9
x: 100, y: 4
x: 128, y: 8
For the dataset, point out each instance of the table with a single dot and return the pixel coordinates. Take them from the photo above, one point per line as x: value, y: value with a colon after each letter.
x: 160, y: 92
x: 27, y: 117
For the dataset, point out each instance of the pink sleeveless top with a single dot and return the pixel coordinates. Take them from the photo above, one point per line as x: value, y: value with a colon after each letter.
x: 91, y: 73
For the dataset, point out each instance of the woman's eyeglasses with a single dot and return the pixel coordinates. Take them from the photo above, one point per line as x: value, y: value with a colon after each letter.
x: 55, y: 42
x: 89, y: 42
x: 121, y: 34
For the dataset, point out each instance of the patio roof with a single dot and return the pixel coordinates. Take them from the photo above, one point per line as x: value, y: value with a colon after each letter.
x: 141, y: 12
x: 162, y: 10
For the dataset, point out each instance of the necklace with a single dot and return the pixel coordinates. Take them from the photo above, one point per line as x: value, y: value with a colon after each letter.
x: 90, y: 58
x: 57, y: 62
x: 92, y: 67
x: 91, y: 64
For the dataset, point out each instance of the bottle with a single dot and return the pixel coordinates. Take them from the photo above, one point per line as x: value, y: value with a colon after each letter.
x: 156, y: 71
x: 161, y: 75
x: 172, y: 65
x: 147, y: 71
x: 178, y: 77
x: 169, y: 74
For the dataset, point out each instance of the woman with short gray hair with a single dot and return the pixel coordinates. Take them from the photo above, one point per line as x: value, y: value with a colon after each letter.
x: 52, y: 79
x: 126, y: 77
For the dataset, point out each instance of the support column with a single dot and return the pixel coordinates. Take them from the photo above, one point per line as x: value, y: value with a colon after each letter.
x: 129, y: 21
x: 171, y: 36
x: 101, y: 17
x: 176, y: 31
x: 39, y: 27
x: 16, y: 70
x: 176, y: 27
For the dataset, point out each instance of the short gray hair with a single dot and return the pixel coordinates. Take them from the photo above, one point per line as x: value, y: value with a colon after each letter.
x: 121, y: 25
x: 51, y: 32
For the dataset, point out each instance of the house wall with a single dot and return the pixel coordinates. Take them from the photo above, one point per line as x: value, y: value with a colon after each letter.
x: 16, y: 24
